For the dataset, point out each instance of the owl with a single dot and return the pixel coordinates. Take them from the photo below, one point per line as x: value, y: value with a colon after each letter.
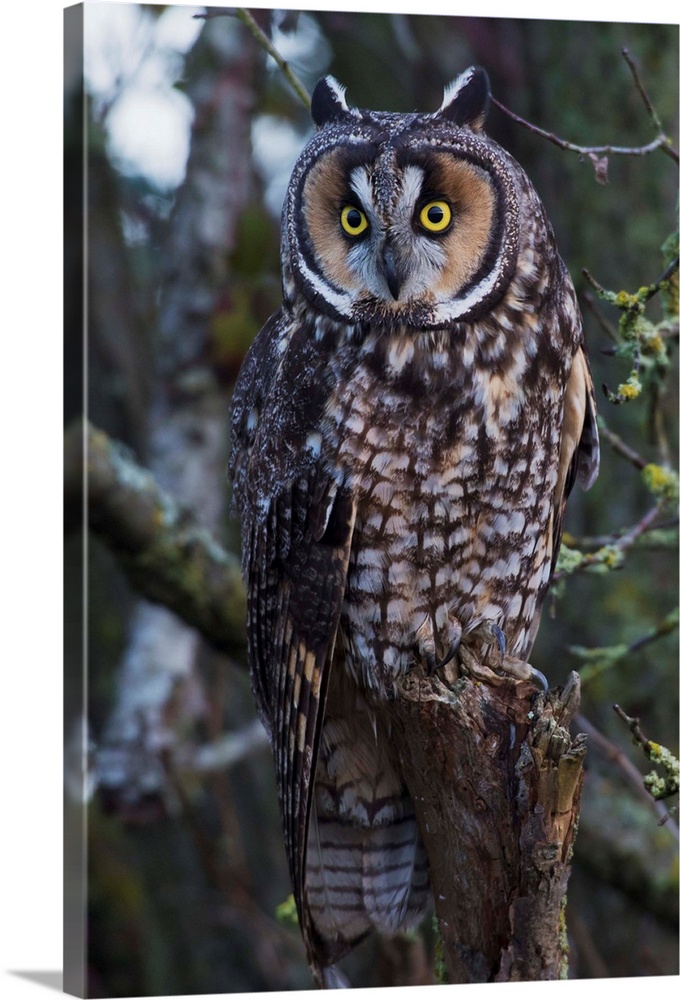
x: 405, y: 429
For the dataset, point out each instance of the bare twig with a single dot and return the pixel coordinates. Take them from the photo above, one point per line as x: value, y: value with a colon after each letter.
x: 247, y: 18
x: 656, y: 121
x: 610, y: 555
x: 620, y: 447
x: 641, y: 297
x: 634, y: 726
x: 628, y: 770
x: 573, y: 147
x: 607, y: 328
x: 658, y: 787
x: 663, y: 535
x: 661, y: 142
x: 643, y: 525
x: 597, y: 660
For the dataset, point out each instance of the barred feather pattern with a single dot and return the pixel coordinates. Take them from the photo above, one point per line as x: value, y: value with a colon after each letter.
x: 366, y: 866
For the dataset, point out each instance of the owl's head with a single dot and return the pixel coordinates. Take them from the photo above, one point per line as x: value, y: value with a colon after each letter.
x: 401, y: 219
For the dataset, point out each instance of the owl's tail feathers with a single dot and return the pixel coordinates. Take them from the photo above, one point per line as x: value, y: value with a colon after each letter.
x: 364, y: 878
x: 329, y: 977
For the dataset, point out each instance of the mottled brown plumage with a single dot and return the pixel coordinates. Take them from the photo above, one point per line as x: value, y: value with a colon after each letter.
x: 406, y: 430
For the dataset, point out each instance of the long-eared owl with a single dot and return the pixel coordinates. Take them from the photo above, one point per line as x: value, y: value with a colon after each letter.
x: 406, y: 429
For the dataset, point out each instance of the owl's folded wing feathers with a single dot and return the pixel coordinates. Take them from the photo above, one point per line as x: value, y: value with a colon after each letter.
x: 579, y: 449
x: 298, y: 525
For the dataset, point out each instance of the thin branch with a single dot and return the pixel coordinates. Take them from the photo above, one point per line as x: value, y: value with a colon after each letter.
x: 634, y: 726
x: 656, y: 287
x: 247, y: 18
x: 642, y: 92
x: 620, y: 447
x: 643, y: 525
x: 657, y: 787
x: 597, y: 660
x: 661, y: 142
x: 610, y: 555
x: 607, y: 328
x: 627, y: 302
x: 628, y: 770
x: 663, y: 536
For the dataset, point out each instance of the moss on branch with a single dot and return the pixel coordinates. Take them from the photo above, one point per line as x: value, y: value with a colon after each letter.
x: 168, y: 558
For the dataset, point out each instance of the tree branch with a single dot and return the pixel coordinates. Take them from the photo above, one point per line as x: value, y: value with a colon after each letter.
x: 620, y: 446
x: 247, y: 18
x: 659, y: 788
x: 630, y: 773
x: 661, y: 142
x: 167, y: 557
x: 261, y: 38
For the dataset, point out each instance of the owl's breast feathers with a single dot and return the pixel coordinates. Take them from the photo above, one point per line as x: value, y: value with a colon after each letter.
x: 454, y: 449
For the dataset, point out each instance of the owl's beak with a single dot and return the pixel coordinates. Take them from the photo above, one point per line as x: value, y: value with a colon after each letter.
x: 391, y: 271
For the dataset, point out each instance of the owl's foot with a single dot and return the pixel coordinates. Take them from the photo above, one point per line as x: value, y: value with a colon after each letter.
x: 434, y: 648
x: 491, y: 662
x: 491, y: 634
x: 512, y: 667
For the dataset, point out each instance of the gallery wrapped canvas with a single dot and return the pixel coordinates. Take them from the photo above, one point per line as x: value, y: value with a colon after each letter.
x: 355, y: 304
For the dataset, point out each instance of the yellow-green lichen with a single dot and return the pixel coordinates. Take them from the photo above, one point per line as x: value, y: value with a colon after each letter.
x: 631, y: 388
x: 662, y: 481
x: 286, y: 912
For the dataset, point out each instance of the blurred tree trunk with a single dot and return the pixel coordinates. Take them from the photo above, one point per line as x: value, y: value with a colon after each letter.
x: 159, y: 688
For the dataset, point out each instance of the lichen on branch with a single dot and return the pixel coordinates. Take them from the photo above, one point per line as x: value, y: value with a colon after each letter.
x: 168, y: 558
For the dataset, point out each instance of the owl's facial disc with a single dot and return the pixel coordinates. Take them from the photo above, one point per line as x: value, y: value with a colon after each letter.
x: 399, y: 235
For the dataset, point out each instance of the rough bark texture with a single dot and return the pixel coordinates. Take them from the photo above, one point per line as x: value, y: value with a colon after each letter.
x: 496, y: 781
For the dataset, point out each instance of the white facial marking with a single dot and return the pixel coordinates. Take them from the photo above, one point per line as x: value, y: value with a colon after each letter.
x: 452, y: 89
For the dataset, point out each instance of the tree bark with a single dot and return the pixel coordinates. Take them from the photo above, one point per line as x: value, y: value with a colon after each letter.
x: 496, y: 781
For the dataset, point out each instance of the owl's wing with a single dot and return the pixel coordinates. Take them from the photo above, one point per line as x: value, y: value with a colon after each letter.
x: 295, y: 594
x: 298, y: 523
x: 579, y: 449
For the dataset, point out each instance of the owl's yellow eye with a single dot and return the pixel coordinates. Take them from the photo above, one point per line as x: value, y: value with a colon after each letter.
x: 353, y: 220
x: 435, y: 216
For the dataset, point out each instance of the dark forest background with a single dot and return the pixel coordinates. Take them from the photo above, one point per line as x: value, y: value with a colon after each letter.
x: 185, y: 858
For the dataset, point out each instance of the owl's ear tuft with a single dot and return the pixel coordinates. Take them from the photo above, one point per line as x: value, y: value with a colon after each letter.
x: 466, y: 100
x: 328, y: 101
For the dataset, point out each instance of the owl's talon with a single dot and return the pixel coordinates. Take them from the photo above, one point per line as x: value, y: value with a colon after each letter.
x: 520, y: 670
x: 499, y: 636
x: 539, y: 679
x: 428, y: 642
x: 447, y: 659
x: 523, y: 671
x: 453, y: 649
x: 430, y: 663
